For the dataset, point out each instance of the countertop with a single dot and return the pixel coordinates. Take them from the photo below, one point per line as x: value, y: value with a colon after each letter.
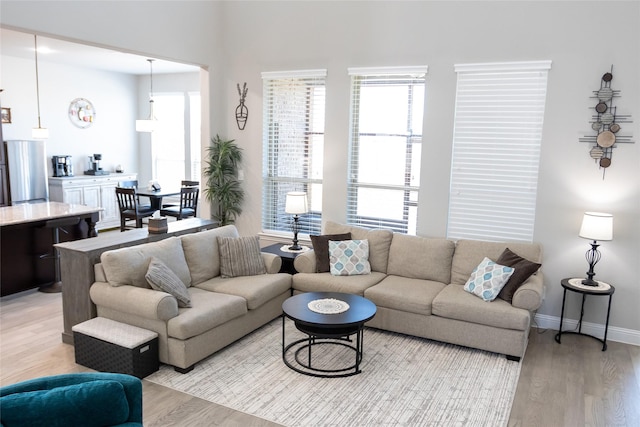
x: 32, y: 212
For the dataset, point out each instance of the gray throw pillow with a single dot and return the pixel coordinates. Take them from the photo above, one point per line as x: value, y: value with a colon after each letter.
x: 240, y: 256
x: 321, y: 249
x: 523, y: 270
x: 162, y: 278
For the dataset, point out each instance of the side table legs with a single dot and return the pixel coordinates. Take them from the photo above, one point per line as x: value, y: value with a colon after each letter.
x: 579, y: 332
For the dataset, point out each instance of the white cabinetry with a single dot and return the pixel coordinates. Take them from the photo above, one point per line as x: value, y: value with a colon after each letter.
x: 94, y: 191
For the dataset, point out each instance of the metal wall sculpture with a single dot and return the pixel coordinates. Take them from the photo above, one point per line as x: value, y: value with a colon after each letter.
x: 606, y: 123
x: 242, y: 112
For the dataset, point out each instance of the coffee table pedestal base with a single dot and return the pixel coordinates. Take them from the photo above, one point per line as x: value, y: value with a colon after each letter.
x: 318, y: 337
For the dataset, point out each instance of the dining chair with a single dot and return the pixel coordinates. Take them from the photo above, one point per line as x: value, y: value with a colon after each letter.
x: 130, y: 209
x: 134, y: 184
x: 183, y: 183
x: 188, y: 204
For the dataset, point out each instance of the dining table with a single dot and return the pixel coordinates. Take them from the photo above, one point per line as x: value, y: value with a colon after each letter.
x: 155, y: 196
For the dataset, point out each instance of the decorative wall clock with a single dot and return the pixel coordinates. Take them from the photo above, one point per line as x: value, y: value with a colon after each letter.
x: 606, y: 124
x: 82, y: 113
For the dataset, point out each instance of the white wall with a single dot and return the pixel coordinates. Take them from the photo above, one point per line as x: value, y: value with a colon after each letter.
x: 239, y: 40
x: 271, y: 36
x: 112, y: 94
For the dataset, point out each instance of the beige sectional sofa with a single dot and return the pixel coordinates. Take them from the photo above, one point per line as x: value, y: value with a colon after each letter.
x: 417, y: 284
x: 223, y: 309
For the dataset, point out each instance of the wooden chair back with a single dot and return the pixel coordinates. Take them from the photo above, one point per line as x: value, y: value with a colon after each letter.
x: 130, y: 208
x: 127, y: 199
x: 189, y: 198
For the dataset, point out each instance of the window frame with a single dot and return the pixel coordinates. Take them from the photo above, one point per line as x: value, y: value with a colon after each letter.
x: 274, y: 220
x: 391, y: 76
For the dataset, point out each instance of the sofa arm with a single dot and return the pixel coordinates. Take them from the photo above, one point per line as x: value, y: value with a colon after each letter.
x: 272, y: 262
x: 531, y: 294
x: 305, y: 262
x: 147, y: 303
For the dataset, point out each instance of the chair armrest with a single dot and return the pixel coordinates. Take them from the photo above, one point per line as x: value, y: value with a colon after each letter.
x: 305, y: 262
x: 272, y: 261
x: 531, y: 294
x: 147, y: 303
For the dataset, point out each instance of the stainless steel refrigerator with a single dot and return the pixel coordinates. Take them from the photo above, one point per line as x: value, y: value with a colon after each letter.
x: 27, y: 171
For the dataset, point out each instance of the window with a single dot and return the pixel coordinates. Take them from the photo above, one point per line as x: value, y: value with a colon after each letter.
x: 176, y: 138
x: 496, y: 150
x: 387, y: 108
x: 293, y: 146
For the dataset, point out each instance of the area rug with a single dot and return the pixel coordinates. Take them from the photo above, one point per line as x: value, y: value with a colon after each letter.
x: 404, y: 381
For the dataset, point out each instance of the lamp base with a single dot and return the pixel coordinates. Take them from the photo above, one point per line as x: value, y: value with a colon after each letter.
x: 590, y: 282
x: 295, y: 247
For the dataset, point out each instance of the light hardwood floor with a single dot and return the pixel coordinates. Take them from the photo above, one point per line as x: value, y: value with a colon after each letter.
x: 568, y: 384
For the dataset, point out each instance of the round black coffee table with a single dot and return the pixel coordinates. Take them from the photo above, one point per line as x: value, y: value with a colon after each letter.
x: 323, y: 329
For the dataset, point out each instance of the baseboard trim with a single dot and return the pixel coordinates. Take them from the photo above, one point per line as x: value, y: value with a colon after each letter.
x: 623, y: 335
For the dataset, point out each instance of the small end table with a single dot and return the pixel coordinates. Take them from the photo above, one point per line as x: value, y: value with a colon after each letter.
x: 287, y: 257
x: 575, y: 285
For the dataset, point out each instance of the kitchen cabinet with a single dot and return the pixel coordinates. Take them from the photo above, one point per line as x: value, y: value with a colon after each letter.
x: 92, y: 191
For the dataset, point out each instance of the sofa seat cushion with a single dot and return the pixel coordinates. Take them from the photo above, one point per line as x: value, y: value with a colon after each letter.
x: 128, y: 266
x: 453, y: 302
x: 255, y: 290
x: 405, y: 294
x: 208, y: 310
x: 325, y: 282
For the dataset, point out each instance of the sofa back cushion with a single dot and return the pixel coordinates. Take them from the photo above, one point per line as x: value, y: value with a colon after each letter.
x: 469, y: 253
x: 128, y: 266
x: 379, y: 242
x: 91, y: 403
x: 418, y: 257
x: 202, y: 253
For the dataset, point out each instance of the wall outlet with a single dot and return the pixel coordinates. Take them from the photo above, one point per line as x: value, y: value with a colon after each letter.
x: 240, y: 174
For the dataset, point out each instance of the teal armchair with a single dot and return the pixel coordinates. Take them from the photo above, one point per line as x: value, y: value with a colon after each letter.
x: 78, y: 399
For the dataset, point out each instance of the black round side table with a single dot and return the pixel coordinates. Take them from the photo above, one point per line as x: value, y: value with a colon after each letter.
x: 575, y: 285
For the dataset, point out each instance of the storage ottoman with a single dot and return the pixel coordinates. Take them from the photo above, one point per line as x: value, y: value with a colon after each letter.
x: 109, y: 346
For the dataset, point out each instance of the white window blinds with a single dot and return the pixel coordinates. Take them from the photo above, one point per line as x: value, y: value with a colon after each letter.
x: 387, y: 108
x: 293, y: 146
x: 496, y: 150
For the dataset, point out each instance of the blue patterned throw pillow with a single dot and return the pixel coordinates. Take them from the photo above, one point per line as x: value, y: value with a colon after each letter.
x: 487, y: 279
x: 349, y: 257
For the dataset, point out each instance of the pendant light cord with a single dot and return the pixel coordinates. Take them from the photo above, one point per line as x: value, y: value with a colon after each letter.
x: 151, y: 75
x: 35, y: 39
x: 151, y: 112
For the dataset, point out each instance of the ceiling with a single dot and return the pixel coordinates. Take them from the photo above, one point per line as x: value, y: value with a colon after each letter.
x: 18, y: 44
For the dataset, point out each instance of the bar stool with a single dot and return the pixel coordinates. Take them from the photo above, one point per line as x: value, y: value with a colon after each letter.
x: 56, y: 225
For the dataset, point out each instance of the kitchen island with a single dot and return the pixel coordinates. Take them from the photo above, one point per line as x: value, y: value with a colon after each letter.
x: 26, y: 240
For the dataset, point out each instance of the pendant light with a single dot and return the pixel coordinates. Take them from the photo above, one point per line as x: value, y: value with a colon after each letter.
x: 148, y: 125
x: 39, y: 132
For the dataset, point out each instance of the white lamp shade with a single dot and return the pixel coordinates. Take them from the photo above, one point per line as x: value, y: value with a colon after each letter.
x: 296, y: 203
x: 597, y: 226
x: 40, y: 133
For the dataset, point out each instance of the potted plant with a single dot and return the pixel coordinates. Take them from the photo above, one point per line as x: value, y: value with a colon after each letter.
x: 223, y: 186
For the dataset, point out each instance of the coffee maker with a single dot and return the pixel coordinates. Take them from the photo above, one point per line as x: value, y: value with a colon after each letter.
x: 62, y: 166
x: 94, y: 166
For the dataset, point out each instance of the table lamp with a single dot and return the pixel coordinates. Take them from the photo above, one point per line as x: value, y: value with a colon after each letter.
x: 595, y: 226
x: 296, y: 204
